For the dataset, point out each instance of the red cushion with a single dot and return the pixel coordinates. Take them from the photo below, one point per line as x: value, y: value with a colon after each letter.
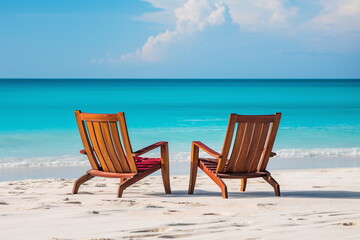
x: 144, y: 164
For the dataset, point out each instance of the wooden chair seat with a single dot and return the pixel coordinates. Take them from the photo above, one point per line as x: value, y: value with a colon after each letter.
x: 143, y: 165
x: 211, y: 164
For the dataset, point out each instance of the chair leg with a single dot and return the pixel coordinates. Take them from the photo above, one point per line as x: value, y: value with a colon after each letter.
x: 165, y: 170
x: 121, y: 188
x: 274, y: 184
x: 223, y: 187
x: 243, y: 184
x: 130, y: 181
x: 194, y: 163
x: 84, y: 178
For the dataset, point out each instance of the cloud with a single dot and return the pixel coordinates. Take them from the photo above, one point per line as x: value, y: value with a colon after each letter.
x: 193, y: 16
x: 254, y: 15
x: 335, y: 17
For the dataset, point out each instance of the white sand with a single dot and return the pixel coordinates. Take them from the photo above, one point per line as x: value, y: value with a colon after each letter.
x: 315, y: 204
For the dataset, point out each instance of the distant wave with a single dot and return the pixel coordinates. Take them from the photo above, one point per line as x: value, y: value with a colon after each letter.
x: 69, y: 160
x: 318, y: 152
x: 58, y: 161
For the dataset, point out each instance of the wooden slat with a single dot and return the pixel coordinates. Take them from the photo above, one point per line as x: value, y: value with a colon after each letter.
x: 241, y: 163
x: 260, y: 147
x: 94, y: 117
x: 270, y: 143
x: 102, y: 146
x: 110, y: 147
x: 94, y: 141
x: 227, y: 143
x: 253, y: 146
x: 216, y: 179
x: 110, y: 174
x: 85, y: 140
x: 239, y: 139
x: 126, y: 141
x: 118, y: 147
x: 242, y: 175
x: 255, y: 118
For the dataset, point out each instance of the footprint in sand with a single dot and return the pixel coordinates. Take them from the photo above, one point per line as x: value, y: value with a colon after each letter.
x: 100, y: 185
x: 73, y: 202
x: 240, y: 225
x: 193, y: 204
x: 17, y: 193
x: 176, y: 235
x: 168, y: 212
x: 211, y: 214
x: 348, y: 223
x: 99, y: 239
x: 180, y: 224
x: 266, y: 205
x: 153, y: 206
x: 93, y: 212
x: 173, y: 211
x: 149, y: 230
x: 120, y: 202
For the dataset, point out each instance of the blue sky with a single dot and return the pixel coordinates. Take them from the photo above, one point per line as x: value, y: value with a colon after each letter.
x: 180, y: 39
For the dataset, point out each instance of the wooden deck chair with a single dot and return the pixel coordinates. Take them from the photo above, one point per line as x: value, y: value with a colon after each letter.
x: 251, y: 149
x: 111, y: 155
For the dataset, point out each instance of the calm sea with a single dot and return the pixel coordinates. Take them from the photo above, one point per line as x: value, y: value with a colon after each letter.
x: 321, y: 118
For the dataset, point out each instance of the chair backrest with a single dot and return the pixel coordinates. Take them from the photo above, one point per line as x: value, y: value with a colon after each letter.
x: 104, y: 147
x: 251, y: 138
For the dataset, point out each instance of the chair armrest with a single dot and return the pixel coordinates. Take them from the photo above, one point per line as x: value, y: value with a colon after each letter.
x: 148, y: 148
x: 272, y: 154
x: 207, y: 149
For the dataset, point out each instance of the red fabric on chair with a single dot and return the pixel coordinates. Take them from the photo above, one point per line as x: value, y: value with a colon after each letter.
x: 144, y: 164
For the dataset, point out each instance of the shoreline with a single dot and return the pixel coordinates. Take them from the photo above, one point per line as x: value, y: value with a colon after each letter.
x: 315, y: 203
x: 176, y: 168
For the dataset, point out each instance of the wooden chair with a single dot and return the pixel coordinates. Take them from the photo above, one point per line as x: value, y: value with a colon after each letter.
x: 251, y: 149
x: 111, y: 156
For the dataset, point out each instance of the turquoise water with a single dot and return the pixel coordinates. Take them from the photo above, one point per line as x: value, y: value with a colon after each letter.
x: 321, y: 118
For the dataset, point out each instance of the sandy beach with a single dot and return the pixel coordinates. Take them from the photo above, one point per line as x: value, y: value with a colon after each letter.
x: 315, y: 204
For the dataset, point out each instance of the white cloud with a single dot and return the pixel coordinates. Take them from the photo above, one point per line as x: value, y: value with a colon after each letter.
x: 150, y: 51
x: 254, y: 15
x: 193, y: 16
x: 335, y: 17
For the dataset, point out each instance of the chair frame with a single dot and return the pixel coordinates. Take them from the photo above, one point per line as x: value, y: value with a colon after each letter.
x: 218, y: 167
x: 108, y: 163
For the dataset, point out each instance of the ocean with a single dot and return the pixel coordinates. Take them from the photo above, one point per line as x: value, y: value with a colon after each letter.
x: 321, y: 118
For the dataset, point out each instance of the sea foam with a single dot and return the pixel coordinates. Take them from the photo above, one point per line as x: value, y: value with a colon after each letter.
x: 73, y: 160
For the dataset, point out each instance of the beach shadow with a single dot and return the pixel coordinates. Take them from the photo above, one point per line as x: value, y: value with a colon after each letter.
x: 203, y: 193
x: 184, y: 193
x: 322, y: 194
x: 264, y: 194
